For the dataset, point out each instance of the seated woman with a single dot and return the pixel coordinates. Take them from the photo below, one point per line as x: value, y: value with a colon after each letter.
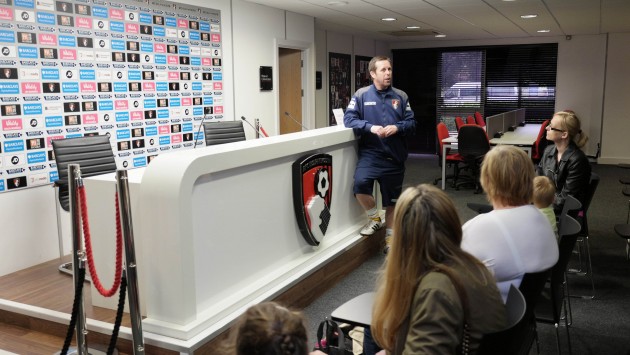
x: 429, y: 287
x: 515, y: 238
x: 564, y: 162
x: 270, y: 329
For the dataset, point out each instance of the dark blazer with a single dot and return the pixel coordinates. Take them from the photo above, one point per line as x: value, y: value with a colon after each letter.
x: 571, y: 174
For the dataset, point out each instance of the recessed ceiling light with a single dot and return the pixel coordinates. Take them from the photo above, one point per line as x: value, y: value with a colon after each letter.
x: 529, y: 16
x: 543, y: 31
x: 388, y: 19
x: 337, y: 3
x: 440, y: 36
x: 413, y: 27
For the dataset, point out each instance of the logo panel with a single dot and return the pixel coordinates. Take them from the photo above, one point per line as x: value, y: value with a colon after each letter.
x: 312, y: 195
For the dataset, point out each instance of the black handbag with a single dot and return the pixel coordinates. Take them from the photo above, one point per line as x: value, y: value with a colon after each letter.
x: 335, y: 339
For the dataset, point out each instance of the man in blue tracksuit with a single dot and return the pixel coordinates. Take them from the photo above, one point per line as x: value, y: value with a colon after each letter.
x: 382, y: 116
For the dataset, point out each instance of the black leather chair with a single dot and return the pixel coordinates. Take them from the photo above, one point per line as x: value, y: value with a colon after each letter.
x: 94, y: 155
x: 472, y: 144
x: 223, y: 132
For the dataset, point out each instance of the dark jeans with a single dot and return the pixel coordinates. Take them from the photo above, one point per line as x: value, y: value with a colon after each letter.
x: 369, y: 345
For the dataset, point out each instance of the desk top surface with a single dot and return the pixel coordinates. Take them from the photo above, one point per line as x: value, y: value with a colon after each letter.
x: 525, y: 135
x: 357, y: 311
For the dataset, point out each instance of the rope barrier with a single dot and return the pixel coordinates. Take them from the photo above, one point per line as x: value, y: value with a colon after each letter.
x: 78, y: 291
x: 88, y: 247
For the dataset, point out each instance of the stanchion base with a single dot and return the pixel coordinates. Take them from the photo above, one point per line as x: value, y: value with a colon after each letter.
x: 96, y: 349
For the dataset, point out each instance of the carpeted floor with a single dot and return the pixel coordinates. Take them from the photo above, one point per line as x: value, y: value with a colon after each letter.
x: 600, y: 325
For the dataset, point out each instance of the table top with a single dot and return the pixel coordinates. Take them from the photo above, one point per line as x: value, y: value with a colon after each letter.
x: 525, y: 135
x: 357, y: 311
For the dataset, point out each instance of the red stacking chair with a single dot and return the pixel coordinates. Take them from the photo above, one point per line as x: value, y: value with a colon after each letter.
x: 451, y: 158
x: 470, y: 120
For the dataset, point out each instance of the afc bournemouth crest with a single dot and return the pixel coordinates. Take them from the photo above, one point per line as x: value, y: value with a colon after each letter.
x: 312, y: 193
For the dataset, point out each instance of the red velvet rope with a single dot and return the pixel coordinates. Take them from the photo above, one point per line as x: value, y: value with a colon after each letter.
x: 88, y: 247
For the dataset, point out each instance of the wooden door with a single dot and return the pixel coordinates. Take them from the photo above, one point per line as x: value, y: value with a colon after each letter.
x: 290, y: 89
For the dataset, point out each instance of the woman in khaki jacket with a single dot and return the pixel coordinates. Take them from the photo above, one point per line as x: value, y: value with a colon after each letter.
x: 429, y: 287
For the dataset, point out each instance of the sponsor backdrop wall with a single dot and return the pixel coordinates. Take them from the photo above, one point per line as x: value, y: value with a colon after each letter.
x: 143, y: 72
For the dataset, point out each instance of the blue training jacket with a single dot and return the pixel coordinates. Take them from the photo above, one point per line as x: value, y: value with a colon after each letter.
x: 370, y: 107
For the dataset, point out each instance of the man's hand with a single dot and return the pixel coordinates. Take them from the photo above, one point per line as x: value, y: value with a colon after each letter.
x: 383, y: 132
x: 378, y: 130
x: 389, y: 130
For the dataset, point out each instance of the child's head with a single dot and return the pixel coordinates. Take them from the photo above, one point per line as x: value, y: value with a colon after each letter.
x: 544, y: 191
x: 269, y: 328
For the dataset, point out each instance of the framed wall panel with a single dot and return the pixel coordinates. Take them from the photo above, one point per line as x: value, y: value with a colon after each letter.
x: 339, y: 79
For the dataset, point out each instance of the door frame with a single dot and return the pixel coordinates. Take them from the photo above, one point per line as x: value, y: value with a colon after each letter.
x: 308, y: 80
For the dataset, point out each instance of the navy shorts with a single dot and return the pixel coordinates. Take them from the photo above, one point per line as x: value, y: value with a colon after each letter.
x: 389, y: 174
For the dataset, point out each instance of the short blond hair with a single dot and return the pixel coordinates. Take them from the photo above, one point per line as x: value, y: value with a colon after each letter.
x: 507, y: 176
x: 544, y: 191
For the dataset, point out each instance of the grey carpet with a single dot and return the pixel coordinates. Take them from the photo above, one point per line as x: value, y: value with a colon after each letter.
x: 600, y: 326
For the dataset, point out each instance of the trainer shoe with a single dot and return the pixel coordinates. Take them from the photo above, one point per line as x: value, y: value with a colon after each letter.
x: 372, y: 226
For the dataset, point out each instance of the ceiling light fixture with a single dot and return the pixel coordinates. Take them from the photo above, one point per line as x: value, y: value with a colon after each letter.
x: 337, y: 3
x: 543, y: 31
x: 529, y: 16
x: 413, y: 27
x: 388, y: 19
x: 440, y: 35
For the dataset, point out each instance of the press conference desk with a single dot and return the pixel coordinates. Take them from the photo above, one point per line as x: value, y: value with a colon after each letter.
x: 523, y: 137
x: 216, y: 231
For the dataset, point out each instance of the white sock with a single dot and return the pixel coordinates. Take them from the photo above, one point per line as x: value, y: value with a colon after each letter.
x: 373, y: 213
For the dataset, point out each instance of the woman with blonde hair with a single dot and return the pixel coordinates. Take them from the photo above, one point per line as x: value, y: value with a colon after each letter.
x: 433, y: 297
x: 514, y: 238
x: 564, y: 162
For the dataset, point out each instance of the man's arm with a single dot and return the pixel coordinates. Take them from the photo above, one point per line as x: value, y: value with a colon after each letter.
x: 353, y: 118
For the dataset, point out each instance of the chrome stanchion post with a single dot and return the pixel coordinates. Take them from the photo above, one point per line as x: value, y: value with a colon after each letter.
x: 78, y: 256
x: 257, y: 124
x: 130, y: 259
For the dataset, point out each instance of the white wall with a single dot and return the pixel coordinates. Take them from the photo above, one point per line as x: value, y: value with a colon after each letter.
x: 616, y: 125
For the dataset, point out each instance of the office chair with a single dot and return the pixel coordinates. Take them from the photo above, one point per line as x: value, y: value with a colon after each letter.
x: 470, y: 120
x: 473, y: 145
x: 223, y: 132
x: 510, y: 340
x: 451, y: 158
x: 479, y: 119
x: 95, y: 157
x: 541, y: 142
x: 459, y: 122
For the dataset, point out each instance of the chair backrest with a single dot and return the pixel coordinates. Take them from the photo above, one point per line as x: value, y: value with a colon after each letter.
x: 442, y: 133
x: 470, y: 120
x: 479, y: 119
x: 570, y: 204
x: 510, y: 339
x: 93, y: 154
x: 223, y: 132
x: 592, y: 187
x: 459, y: 122
x: 568, y: 228
x: 472, y: 141
x: 541, y: 141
